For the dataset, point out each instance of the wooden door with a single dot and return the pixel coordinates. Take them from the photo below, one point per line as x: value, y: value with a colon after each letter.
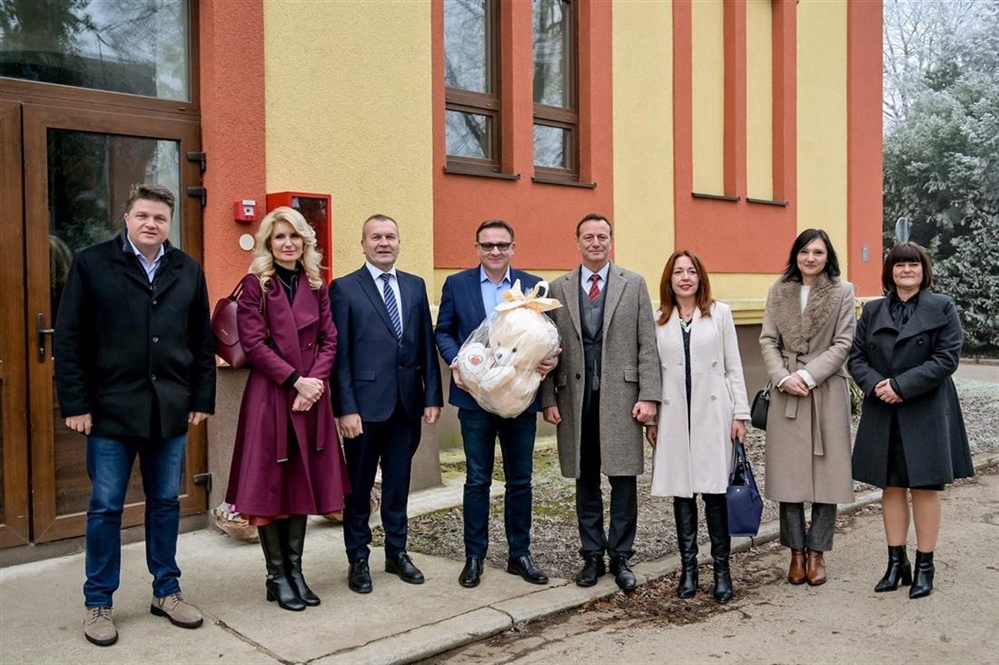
x: 14, y: 509
x: 78, y: 166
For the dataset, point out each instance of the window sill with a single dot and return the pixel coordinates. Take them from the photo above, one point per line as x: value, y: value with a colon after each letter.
x: 565, y: 183
x: 768, y: 202
x: 716, y: 197
x: 458, y: 170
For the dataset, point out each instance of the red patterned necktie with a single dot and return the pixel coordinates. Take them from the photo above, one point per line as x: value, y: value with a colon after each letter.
x: 594, y: 288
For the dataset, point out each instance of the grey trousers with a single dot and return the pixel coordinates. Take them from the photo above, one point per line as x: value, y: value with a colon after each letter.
x: 818, y: 536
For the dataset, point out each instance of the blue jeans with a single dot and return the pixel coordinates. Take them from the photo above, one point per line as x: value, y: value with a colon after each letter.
x: 479, y: 430
x: 109, y: 465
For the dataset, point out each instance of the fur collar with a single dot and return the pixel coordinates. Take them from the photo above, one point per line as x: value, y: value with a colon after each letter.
x: 797, y: 327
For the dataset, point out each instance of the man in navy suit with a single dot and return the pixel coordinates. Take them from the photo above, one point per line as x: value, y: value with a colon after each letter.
x: 466, y: 299
x: 387, y: 379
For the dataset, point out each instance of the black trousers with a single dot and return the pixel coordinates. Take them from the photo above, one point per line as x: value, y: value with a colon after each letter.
x: 392, y: 443
x: 620, y: 538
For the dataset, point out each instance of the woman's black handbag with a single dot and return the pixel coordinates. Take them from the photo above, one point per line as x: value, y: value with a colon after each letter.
x: 761, y: 404
x: 745, y: 505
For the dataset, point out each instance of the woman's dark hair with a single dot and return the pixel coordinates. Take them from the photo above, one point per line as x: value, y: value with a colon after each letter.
x: 667, y: 298
x: 906, y: 252
x: 792, y: 273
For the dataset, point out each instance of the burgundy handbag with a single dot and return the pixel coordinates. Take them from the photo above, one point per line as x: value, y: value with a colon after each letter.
x: 225, y: 330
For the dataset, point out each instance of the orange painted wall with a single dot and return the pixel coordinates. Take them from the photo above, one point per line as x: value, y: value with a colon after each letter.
x: 232, y: 131
x: 864, y: 152
x: 543, y: 215
x: 736, y: 236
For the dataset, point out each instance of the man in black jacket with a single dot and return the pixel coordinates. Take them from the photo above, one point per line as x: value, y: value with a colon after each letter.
x: 134, y: 368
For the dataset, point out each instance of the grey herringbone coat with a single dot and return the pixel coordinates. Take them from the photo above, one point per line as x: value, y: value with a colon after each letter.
x: 629, y: 372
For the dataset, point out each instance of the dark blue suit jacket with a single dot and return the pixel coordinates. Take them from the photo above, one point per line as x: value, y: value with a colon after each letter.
x: 460, y: 313
x: 373, y: 369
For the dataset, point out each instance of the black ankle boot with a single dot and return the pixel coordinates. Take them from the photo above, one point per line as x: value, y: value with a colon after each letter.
x: 685, y: 514
x: 922, y: 578
x: 279, y: 587
x: 899, y: 570
x: 295, y: 542
x: 716, y: 515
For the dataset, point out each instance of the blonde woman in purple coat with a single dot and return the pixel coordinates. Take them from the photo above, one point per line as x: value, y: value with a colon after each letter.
x: 287, y: 462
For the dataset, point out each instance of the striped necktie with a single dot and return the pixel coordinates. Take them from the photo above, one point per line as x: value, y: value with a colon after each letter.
x: 391, y: 305
x: 594, y: 287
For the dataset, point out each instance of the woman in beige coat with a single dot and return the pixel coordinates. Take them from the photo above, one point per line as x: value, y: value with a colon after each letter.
x: 704, y: 409
x: 808, y: 327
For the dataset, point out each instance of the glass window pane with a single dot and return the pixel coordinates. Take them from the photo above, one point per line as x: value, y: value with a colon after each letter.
x: 89, y: 178
x: 552, y: 53
x: 469, y: 135
x: 133, y: 46
x: 552, y: 147
x: 468, y: 58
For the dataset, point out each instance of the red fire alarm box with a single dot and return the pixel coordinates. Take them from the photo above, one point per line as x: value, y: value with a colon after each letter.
x: 318, y: 212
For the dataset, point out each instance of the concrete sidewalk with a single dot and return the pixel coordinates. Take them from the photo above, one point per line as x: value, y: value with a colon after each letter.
x: 41, y: 613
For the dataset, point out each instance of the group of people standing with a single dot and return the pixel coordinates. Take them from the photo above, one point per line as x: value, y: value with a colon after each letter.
x: 911, y: 438
x: 343, y: 377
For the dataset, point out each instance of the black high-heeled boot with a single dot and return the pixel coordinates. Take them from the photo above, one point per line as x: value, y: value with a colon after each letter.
x: 922, y: 577
x: 899, y: 570
x: 295, y: 542
x: 716, y: 515
x: 685, y: 515
x: 279, y: 587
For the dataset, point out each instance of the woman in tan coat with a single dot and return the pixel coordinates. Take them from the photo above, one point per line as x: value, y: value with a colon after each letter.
x: 808, y: 327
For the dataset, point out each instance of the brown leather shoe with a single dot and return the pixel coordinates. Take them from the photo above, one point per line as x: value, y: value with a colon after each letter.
x: 796, y: 571
x: 815, y: 568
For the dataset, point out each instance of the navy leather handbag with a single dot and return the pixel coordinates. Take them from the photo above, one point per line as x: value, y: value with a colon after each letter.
x: 745, y: 505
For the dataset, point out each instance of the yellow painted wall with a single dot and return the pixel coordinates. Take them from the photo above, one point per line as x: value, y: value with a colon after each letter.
x: 349, y: 113
x: 822, y: 131
x: 707, y: 33
x: 643, y: 136
x: 759, y: 99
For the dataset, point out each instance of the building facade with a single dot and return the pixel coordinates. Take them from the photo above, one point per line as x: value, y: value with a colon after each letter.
x: 723, y: 126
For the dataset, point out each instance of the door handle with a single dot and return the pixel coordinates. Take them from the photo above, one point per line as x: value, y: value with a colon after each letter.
x: 42, y: 332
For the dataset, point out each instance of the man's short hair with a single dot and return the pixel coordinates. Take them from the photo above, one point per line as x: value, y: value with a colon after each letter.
x: 494, y: 224
x: 377, y: 218
x: 595, y: 217
x: 150, y: 192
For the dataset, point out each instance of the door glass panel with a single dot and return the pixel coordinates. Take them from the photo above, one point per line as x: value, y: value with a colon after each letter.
x: 133, y: 46
x: 89, y: 177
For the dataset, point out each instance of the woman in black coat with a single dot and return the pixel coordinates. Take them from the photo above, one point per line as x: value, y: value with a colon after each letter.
x: 911, y: 437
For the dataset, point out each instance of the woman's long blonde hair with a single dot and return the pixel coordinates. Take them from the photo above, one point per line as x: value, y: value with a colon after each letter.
x: 263, y: 257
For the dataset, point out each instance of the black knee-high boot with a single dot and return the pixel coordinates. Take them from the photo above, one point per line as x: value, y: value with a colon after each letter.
x: 685, y: 514
x: 279, y: 587
x: 922, y: 576
x: 295, y: 542
x: 899, y: 570
x: 716, y: 515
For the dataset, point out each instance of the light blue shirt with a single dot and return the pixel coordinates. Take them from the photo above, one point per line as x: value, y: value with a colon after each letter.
x: 492, y: 293
x: 376, y: 274
x: 585, y: 274
x: 150, y: 268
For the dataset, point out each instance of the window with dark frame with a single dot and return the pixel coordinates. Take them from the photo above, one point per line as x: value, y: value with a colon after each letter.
x: 471, y: 79
x: 556, y: 109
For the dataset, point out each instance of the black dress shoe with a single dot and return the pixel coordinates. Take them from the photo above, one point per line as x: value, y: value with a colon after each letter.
x: 593, y: 569
x: 359, y: 577
x: 402, y: 566
x: 471, y: 574
x: 625, y: 579
x: 524, y: 566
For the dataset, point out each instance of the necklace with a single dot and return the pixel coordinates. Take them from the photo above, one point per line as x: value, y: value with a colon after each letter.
x: 688, y: 316
x: 294, y: 280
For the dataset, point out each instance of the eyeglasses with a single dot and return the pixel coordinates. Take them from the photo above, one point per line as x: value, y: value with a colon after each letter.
x: 490, y: 246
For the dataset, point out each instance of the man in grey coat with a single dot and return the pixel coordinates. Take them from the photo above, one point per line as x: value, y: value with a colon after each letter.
x: 606, y: 387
